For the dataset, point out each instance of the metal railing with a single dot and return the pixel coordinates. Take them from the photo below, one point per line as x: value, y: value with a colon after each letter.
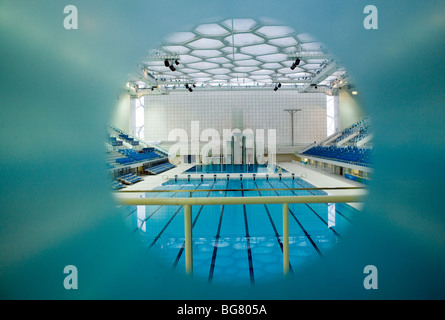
x: 187, y: 203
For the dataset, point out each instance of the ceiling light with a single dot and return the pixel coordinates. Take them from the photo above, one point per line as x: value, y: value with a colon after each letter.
x: 172, y: 68
x: 166, y: 63
x: 177, y: 62
x: 275, y: 89
x: 190, y: 89
x: 354, y: 93
x: 279, y: 85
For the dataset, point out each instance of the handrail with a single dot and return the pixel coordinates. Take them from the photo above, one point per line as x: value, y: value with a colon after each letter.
x: 241, y: 200
x: 234, y: 190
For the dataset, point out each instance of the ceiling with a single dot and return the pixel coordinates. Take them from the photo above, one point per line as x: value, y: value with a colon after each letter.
x: 238, y: 53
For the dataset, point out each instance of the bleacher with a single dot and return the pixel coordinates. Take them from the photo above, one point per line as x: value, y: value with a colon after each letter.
x: 135, y: 156
x: 129, y: 139
x: 361, y: 129
x: 116, y: 185
x: 113, y: 141
x: 128, y: 178
x: 349, y: 154
x: 159, y: 168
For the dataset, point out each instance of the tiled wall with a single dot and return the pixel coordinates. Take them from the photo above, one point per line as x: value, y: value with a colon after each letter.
x: 261, y: 109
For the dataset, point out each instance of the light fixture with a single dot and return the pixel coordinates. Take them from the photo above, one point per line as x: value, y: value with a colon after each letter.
x: 354, y: 93
x: 187, y: 85
x: 295, y: 64
x: 279, y: 85
x: 166, y: 63
x: 275, y: 89
x: 177, y: 62
x: 172, y: 68
x: 190, y: 89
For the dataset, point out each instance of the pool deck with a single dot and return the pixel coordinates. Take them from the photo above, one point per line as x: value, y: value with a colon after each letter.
x: 317, y: 178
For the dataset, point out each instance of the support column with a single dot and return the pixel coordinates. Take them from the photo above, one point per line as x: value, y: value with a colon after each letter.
x: 285, y: 238
x: 188, y: 239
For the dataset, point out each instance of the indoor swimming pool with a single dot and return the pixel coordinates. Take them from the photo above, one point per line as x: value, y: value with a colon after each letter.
x: 234, y: 168
x: 239, y: 244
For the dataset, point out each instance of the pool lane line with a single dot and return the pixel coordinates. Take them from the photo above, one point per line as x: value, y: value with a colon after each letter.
x: 168, y: 223
x: 215, y: 247
x: 146, y: 219
x: 336, y: 210
x: 129, y: 214
x: 193, y: 225
x: 249, y: 249
x: 277, y: 235
x: 301, y: 226
x: 310, y: 208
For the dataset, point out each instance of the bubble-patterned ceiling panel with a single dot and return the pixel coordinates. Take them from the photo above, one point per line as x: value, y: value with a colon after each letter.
x: 254, y: 51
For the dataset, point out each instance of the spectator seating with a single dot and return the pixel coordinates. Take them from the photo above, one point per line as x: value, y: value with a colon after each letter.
x: 128, y: 178
x: 156, y: 169
x: 350, y: 154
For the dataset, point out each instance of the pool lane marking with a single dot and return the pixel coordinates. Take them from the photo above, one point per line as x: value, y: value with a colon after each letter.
x: 277, y: 235
x: 301, y: 226
x: 249, y: 249
x: 156, y: 194
x: 193, y: 225
x: 215, y: 247
x: 336, y: 210
x: 310, y: 208
x: 151, y: 215
x: 168, y: 223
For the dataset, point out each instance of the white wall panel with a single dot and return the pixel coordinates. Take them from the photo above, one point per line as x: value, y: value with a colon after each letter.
x: 214, y: 109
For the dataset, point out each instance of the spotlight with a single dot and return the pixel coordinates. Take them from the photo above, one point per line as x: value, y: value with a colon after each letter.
x: 194, y: 85
x: 177, y: 62
x: 295, y: 64
x: 172, y: 68
x: 187, y: 85
x: 279, y: 85
x: 190, y: 89
x: 275, y: 89
x: 316, y: 87
x: 166, y: 63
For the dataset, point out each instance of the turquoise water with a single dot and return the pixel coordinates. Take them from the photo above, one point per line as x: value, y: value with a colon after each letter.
x: 240, y: 244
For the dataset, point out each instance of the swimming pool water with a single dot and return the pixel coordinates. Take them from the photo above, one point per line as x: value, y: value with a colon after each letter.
x: 240, y: 244
x: 234, y: 168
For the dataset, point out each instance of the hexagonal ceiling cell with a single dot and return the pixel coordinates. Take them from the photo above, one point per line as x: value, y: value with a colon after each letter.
x: 243, y: 39
x: 205, y: 43
x: 255, y: 50
x: 277, y: 57
x: 212, y: 29
x: 275, y: 31
x: 180, y: 37
x: 177, y: 49
x: 206, y: 53
x: 203, y: 65
x: 284, y: 42
x: 240, y: 25
x: 259, y: 49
